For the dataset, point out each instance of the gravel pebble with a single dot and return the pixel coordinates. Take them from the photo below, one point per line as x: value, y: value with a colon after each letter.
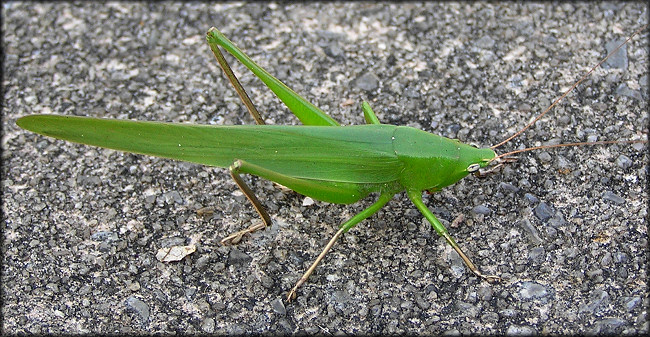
x: 611, y: 196
x: 519, y: 330
x: 481, y: 209
x: 543, y: 211
x: 531, y: 290
x: 619, y: 59
x: 139, y: 307
x: 278, y: 306
x: 367, y: 82
x: 238, y: 257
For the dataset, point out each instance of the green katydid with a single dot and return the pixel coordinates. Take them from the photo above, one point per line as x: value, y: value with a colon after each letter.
x: 319, y: 159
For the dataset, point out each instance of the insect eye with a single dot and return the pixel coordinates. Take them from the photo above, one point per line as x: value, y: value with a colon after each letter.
x: 473, y: 168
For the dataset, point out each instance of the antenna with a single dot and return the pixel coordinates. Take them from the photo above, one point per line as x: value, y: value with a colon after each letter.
x: 602, y: 142
x: 563, y: 96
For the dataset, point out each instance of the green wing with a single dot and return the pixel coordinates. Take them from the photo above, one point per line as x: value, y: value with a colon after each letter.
x: 357, y: 154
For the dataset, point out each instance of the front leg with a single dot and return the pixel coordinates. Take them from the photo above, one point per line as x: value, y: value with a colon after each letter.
x: 416, y: 198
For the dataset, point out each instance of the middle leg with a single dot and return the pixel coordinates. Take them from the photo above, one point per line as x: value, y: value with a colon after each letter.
x: 383, y: 199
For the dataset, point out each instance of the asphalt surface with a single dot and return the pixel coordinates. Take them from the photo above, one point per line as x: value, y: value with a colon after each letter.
x: 566, y: 229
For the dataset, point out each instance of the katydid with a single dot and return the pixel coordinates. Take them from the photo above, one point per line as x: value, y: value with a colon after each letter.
x: 319, y: 159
